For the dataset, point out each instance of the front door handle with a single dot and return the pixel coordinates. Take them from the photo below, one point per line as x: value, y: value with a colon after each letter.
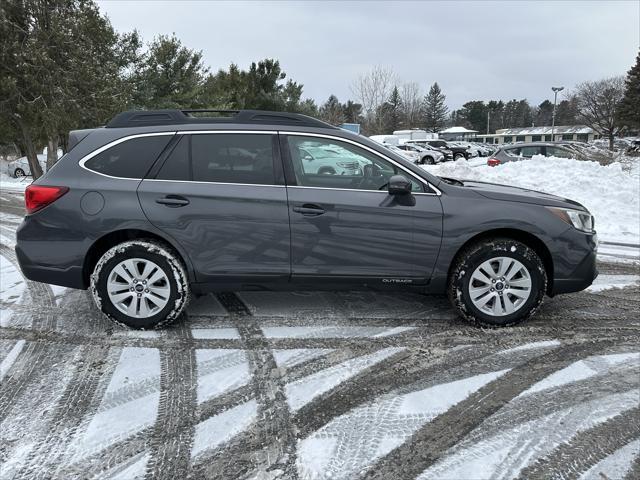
x: 309, y: 210
x: 173, y: 201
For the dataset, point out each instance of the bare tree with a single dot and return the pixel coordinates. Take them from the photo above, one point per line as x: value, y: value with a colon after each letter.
x: 411, y: 97
x: 598, y: 103
x: 372, y: 90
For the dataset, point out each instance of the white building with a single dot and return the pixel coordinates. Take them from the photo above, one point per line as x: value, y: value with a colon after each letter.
x: 579, y: 133
x: 457, y: 133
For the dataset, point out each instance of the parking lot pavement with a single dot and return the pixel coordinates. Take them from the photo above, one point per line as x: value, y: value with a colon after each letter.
x: 317, y: 385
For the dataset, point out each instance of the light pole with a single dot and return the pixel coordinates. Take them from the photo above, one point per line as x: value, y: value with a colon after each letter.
x: 555, y: 100
x: 488, y: 116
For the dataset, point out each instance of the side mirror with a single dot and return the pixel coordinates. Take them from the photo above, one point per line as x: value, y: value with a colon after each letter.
x: 399, y: 185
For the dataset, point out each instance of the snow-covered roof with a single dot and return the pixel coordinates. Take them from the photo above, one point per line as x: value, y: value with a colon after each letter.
x: 458, y: 130
x: 558, y: 130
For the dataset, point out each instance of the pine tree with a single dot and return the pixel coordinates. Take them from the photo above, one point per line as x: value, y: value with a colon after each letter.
x: 172, y: 76
x: 62, y: 66
x: 332, y: 111
x: 544, y: 113
x: 352, y: 112
x: 435, y: 109
x: 394, y: 110
x: 629, y: 109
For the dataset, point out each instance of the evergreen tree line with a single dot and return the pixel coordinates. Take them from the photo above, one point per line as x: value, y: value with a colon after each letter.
x: 64, y: 67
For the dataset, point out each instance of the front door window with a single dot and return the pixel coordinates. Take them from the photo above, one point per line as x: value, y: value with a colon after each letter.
x: 327, y: 163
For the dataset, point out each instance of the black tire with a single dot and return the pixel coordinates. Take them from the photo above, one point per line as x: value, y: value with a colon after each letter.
x: 326, y: 171
x: 472, y: 257
x: 458, y: 156
x: 18, y: 172
x: 163, y: 257
x: 428, y: 160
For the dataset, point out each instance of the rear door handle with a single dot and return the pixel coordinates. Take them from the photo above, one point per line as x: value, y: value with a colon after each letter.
x: 173, y: 201
x: 309, y: 210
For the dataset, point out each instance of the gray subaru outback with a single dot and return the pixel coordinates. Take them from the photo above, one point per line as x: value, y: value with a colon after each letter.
x: 160, y: 205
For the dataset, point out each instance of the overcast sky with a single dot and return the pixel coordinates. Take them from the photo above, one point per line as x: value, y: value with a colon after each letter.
x: 474, y: 50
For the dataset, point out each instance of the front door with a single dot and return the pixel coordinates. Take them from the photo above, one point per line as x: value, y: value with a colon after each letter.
x: 220, y: 197
x: 345, y: 224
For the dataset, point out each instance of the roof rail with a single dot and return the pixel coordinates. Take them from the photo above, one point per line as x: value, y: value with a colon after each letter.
x: 146, y: 118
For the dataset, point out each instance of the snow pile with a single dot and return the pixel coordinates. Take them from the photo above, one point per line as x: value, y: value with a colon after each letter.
x: 610, y: 193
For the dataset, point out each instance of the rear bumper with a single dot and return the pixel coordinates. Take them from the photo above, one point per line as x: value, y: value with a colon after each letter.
x: 71, y: 277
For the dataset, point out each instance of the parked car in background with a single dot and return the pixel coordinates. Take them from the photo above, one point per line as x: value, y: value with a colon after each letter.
x: 471, y: 149
x: 413, y: 157
x: 451, y: 152
x: 426, y: 155
x: 20, y: 167
x: 524, y: 151
x: 326, y: 161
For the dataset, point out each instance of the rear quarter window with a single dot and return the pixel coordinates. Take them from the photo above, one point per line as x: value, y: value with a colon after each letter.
x: 129, y: 159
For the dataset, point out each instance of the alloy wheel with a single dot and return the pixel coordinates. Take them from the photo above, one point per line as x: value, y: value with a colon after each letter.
x: 138, y: 287
x: 500, y: 286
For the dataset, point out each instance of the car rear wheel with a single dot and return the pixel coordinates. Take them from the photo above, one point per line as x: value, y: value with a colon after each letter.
x: 141, y: 284
x: 497, y: 282
x: 18, y: 173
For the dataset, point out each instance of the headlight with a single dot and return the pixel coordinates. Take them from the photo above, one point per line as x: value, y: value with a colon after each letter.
x: 579, y: 219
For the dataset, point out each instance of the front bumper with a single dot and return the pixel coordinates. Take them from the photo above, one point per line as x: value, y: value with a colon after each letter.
x: 582, y: 275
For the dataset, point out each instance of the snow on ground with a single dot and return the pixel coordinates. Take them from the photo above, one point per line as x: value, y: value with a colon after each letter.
x: 8, y: 183
x: 606, y: 282
x: 11, y: 288
x: 611, y: 193
x: 350, y: 443
x: 302, y: 391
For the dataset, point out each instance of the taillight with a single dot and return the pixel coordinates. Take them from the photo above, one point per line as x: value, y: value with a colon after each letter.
x: 36, y: 197
x: 493, y: 162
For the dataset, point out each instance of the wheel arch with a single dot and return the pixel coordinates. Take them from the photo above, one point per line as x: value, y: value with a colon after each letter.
x: 111, y: 239
x: 529, y: 239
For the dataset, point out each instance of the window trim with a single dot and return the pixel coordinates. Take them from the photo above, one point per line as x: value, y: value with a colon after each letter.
x: 371, y: 150
x: 89, y: 156
x: 107, y: 146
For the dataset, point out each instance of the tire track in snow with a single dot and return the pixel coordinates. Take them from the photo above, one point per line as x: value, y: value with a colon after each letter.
x: 634, y: 471
x: 119, y: 453
x: 527, y: 408
x: 174, y: 430
x: 399, y: 370
x: 451, y: 427
x: 79, y: 401
x: 31, y: 364
x: 274, y: 444
x: 126, y: 450
x: 587, y: 448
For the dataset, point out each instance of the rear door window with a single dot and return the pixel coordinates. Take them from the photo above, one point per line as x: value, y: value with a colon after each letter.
x: 131, y: 158
x: 531, y: 151
x: 233, y: 158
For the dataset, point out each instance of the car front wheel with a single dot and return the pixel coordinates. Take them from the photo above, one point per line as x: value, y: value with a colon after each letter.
x: 18, y: 173
x: 141, y: 284
x: 497, y: 282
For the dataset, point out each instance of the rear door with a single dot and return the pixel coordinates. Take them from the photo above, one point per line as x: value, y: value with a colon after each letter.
x: 347, y: 226
x: 221, y: 196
